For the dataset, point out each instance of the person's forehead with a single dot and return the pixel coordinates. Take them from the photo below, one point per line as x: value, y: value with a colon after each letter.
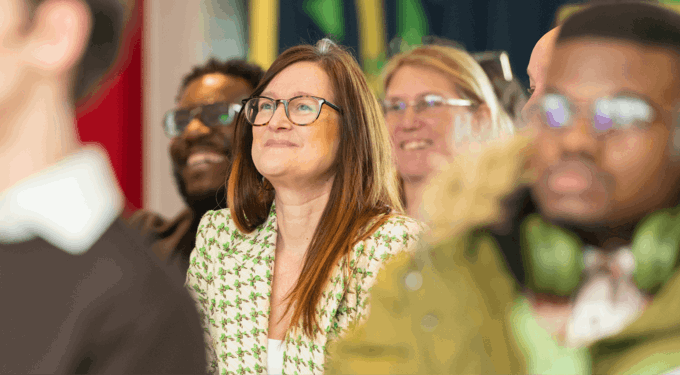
x: 540, y: 55
x: 214, y: 87
x: 410, y: 81
x: 591, y: 68
x: 301, y: 78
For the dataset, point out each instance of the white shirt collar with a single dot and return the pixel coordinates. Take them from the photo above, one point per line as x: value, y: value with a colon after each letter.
x: 70, y: 204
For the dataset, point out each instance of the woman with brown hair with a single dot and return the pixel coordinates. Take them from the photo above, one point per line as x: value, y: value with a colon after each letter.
x: 314, y: 214
x: 438, y: 102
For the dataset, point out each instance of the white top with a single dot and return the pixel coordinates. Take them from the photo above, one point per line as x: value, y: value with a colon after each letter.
x: 274, y: 357
x: 70, y: 204
x: 608, y: 301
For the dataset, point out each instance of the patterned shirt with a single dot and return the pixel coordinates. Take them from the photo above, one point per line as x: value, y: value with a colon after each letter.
x: 230, y: 278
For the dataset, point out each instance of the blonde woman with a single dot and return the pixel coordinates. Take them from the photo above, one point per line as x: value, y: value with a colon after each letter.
x: 438, y: 100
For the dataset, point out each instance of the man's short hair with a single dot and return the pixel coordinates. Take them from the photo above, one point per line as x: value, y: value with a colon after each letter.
x: 108, y: 22
x: 251, y: 73
x: 638, y: 22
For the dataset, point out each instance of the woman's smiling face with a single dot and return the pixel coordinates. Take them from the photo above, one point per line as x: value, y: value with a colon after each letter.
x: 418, y: 135
x: 287, y: 153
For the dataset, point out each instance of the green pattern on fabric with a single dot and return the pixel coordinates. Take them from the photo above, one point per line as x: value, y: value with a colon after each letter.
x: 230, y: 280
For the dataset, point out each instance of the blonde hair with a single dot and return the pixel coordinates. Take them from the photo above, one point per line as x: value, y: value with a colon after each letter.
x: 467, y: 77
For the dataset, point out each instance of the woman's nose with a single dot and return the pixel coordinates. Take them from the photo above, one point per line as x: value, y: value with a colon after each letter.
x: 279, y: 118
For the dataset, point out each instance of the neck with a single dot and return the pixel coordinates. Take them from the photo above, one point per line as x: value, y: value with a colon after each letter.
x: 39, y: 130
x: 298, y: 215
x: 413, y: 193
x: 608, y: 238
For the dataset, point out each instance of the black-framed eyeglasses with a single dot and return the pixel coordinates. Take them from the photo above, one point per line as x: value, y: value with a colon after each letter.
x: 211, y: 115
x: 300, y: 110
x: 620, y: 112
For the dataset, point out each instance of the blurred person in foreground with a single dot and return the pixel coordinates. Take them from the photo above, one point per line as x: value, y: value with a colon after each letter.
x: 313, y: 214
x: 437, y: 98
x: 557, y: 253
x: 202, y: 132
x: 80, y: 293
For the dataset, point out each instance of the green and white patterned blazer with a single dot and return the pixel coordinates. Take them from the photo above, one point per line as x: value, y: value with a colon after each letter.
x: 230, y: 279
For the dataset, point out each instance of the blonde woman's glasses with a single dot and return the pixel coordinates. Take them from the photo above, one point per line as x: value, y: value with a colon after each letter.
x: 426, y: 105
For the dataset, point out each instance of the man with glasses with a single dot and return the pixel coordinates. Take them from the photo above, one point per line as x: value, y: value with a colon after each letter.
x: 202, y: 132
x: 560, y: 256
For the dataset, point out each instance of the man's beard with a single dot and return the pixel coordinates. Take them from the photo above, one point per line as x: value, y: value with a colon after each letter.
x: 201, y: 203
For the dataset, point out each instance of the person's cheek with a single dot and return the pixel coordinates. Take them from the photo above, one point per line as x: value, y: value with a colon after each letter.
x: 631, y: 161
x: 547, y: 151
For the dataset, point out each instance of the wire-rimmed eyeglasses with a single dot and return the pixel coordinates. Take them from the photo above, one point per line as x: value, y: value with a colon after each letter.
x: 606, y: 114
x: 300, y: 110
x: 422, y: 105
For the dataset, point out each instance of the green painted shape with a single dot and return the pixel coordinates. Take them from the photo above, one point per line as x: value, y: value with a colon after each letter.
x: 328, y: 15
x: 412, y: 22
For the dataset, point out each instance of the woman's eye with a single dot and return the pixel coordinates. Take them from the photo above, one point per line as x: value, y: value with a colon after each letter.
x: 303, y: 108
x: 264, y: 106
x: 394, y: 107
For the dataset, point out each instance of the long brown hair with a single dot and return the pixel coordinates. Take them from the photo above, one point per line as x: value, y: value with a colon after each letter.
x: 364, y: 187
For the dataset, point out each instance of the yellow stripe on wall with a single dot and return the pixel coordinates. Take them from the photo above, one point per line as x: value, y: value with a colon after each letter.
x: 264, y: 31
x: 371, y: 39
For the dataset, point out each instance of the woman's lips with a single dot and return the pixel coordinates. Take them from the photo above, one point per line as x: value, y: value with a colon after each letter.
x: 279, y: 143
x: 415, y: 144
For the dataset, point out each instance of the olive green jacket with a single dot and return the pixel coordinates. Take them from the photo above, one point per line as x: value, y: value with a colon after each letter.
x: 455, y: 308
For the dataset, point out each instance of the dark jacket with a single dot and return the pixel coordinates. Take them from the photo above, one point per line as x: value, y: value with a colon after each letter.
x: 113, y: 309
x: 171, y: 240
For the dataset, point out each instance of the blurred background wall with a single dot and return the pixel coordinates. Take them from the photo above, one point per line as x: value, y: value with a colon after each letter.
x: 179, y: 34
x: 168, y: 37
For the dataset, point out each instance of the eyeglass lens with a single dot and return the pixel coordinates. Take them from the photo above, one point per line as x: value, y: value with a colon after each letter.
x: 301, y: 110
x: 428, y: 105
x: 617, y: 113
x: 216, y: 114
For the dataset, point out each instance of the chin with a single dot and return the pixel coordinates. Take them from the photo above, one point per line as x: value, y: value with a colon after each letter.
x: 275, y: 168
x: 414, y: 171
x: 573, y: 210
x: 202, y: 187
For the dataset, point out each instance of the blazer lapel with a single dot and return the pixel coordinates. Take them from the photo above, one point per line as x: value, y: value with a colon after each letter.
x: 254, y: 271
x: 331, y: 298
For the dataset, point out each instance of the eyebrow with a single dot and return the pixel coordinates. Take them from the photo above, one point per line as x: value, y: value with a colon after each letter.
x: 296, y: 93
x: 417, y: 97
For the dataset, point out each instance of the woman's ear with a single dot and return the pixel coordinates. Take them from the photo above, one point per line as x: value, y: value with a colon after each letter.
x: 58, y: 36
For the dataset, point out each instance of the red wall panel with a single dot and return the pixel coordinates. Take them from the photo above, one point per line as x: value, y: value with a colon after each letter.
x: 113, y: 117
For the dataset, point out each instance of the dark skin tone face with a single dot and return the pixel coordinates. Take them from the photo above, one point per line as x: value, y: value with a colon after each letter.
x: 206, y: 148
x: 603, y: 184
